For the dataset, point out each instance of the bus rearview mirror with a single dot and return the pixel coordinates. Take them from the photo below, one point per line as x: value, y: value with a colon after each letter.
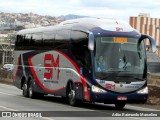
x: 151, y: 40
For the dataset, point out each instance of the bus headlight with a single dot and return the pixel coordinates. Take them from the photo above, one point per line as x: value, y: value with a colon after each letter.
x: 143, y: 91
x: 97, y: 90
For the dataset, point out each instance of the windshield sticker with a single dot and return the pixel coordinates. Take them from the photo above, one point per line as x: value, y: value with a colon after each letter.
x: 120, y: 39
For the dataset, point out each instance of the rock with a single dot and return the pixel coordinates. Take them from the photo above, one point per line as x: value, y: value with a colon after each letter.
x: 154, y: 95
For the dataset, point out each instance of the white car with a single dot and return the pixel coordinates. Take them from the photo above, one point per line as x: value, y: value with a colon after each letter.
x: 7, y: 67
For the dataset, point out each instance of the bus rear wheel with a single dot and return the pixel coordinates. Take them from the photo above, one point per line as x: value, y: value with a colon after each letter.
x: 31, y: 93
x: 25, y: 89
x: 120, y: 105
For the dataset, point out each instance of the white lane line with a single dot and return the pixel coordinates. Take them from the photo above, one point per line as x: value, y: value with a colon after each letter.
x: 7, y: 108
x: 47, y: 118
x: 6, y: 94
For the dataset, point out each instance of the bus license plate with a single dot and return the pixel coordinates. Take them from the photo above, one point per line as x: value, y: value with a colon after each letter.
x: 121, y: 98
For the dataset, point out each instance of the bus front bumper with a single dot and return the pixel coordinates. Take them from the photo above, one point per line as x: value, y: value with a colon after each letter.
x: 112, y: 98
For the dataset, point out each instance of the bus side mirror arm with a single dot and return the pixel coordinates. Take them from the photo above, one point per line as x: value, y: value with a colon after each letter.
x: 151, y: 40
x: 91, y: 41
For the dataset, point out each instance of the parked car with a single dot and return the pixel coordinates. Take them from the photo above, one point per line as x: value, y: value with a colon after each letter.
x: 7, y: 67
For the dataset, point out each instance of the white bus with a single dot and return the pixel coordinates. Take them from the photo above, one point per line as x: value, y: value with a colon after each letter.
x: 83, y: 60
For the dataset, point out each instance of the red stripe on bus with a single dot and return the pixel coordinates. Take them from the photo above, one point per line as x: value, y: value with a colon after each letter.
x: 86, y: 93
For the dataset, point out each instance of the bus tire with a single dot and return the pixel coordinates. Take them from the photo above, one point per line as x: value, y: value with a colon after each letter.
x: 31, y: 93
x: 120, y: 105
x: 25, y: 89
x: 72, y: 95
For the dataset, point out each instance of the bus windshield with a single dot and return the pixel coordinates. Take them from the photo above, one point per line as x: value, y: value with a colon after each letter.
x: 119, y: 56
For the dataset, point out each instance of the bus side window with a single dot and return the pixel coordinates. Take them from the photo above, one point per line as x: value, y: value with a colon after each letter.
x: 18, y: 41
x: 62, y: 40
x: 27, y: 41
x: 37, y: 38
x: 48, y: 40
x: 79, y: 49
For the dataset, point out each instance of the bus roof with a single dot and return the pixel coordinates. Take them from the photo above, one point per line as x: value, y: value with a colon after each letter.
x: 85, y: 24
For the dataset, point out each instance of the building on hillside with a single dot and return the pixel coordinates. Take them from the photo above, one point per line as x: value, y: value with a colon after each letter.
x: 6, y: 48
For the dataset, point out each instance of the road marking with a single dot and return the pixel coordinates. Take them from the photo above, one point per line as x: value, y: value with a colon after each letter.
x: 6, y: 94
x: 47, y: 118
x: 8, y: 108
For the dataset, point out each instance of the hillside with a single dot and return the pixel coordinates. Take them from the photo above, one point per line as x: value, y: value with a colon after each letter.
x: 18, y: 21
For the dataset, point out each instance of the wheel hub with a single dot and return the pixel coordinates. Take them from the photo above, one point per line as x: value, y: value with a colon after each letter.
x: 72, y: 95
x: 30, y: 91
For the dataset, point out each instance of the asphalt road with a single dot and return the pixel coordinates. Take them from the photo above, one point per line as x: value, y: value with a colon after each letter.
x: 11, y: 99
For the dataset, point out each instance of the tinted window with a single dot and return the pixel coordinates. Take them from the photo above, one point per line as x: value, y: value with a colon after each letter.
x: 79, y: 49
x: 22, y: 41
x: 62, y: 40
x: 27, y: 40
x: 58, y: 40
x: 18, y: 41
x: 38, y: 37
x: 38, y: 41
x: 77, y: 35
x: 48, y: 40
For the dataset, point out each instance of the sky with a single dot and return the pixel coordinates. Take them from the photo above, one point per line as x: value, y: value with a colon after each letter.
x: 118, y: 9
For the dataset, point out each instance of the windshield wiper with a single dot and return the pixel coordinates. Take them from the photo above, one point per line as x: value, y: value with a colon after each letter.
x: 118, y: 70
x: 113, y: 71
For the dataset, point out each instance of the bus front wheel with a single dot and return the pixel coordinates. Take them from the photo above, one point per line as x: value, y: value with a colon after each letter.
x: 72, y: 95
x: 120, y: 104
